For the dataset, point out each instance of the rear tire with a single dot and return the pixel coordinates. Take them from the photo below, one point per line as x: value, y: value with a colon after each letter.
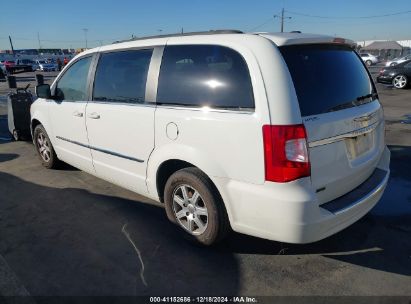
x: 194, y: 204
x: 44, y: 148
x: 368, y: 62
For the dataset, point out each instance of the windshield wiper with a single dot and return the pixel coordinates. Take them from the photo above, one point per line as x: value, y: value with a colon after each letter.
x: 371, y: 95
x: 357, y: 102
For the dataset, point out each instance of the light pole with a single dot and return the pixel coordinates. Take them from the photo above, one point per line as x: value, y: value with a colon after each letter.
x: 85, y: 35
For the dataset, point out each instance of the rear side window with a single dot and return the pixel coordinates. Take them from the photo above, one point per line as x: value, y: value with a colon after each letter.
x: 204, y: 75
x: 121, y: 76
x: 327, y: 77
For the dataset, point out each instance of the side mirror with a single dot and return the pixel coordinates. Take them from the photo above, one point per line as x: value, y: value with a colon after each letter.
x: 43, y: 91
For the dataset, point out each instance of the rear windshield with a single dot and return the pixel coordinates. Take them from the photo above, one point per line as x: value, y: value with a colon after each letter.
x: 327, y: 77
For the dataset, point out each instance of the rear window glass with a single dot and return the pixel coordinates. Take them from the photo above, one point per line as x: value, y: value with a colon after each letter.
x: 327, y: 77
x: 204, y: 75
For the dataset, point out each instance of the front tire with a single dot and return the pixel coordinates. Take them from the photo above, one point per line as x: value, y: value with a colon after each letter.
x: 194, y: 204
x: 368, y: 62
x: 44, y: 148
x: 400, y: 81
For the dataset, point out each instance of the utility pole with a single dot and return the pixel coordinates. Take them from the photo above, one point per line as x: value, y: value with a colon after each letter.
x: 11, y: 44
x: 182, y: 31
x: 85, y: 35
x: 38, y: 38
x: 282, y: 17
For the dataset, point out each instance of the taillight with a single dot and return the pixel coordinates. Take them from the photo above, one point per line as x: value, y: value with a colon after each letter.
x: 285, y: 153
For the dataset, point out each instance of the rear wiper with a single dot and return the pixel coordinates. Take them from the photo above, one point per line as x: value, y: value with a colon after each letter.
x: 357, y: 102
x: 371, y: 95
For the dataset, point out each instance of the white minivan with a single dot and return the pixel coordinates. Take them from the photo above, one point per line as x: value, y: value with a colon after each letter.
x: 278, y: 136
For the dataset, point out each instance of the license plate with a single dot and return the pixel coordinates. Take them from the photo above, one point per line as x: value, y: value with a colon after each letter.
x: 360, y: 145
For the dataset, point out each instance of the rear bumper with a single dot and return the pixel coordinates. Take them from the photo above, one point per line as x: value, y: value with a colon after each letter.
x: 289, y: 212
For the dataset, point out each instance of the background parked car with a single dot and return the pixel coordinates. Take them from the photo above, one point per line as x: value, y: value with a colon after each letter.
x: 398, y: 60
x: 43, y: 65
x: 398, y: 75
x: 8, y: 64
x: 3, y: 68
x: 27, y: 62
x: 369, y: 59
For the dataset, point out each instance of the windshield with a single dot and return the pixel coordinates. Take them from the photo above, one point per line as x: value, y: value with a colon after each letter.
x: 41, y: 61
x: 327, y: 77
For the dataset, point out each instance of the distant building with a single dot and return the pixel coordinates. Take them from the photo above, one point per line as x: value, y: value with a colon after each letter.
x: 385, y: 49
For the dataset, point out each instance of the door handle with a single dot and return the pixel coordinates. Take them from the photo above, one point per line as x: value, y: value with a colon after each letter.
x: 77, y: 114
x: 94, y: 115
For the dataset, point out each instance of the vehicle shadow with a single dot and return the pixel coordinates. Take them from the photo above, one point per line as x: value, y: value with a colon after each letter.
x: 381, y: 240
x: 66, y: 167
x: 74, y: 242
x: 4, y: 157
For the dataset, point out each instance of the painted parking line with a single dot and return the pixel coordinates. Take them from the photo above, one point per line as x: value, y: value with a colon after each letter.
x: 10, y: 285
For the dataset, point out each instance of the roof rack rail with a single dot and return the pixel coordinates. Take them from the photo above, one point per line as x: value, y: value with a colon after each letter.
x: 210, y: 32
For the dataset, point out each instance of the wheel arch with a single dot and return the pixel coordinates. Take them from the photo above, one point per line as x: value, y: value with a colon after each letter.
x: 34, y: 123
x: 169, y: 167
x: 39, y: 115
x: 170, y: 158
x: 165, y: 170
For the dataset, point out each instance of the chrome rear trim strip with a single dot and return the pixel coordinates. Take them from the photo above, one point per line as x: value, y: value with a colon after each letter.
x: 340, y: 137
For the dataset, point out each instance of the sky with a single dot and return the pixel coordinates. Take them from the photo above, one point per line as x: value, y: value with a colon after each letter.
x: 65, y: 24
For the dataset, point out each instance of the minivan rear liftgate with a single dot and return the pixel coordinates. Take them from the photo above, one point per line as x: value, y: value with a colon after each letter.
x: 341, y: 114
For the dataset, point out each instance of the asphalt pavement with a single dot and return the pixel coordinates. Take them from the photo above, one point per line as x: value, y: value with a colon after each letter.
x: 66, y: 233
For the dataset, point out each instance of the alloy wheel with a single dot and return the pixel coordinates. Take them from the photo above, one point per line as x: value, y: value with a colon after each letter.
x: 43, y: 147
x: 399, y: 81
x: 190, y: 209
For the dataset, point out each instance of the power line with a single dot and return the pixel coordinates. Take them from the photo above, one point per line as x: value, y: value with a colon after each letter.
x: 351, y: 17
x: 282, y: 21
x: 262, y: 24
